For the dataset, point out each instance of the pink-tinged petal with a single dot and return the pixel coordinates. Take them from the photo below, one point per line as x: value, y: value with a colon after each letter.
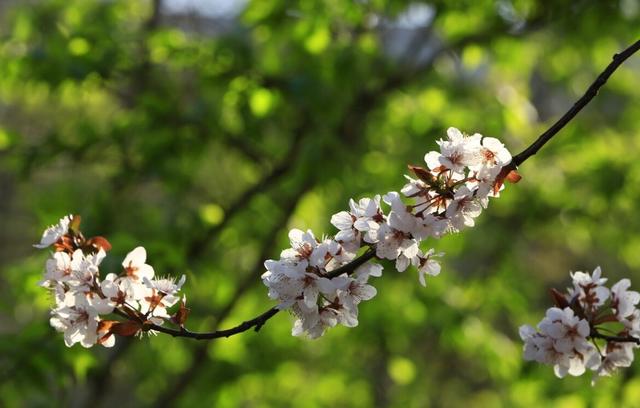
x: 621, y: 286
x: 367, y: 292
x: 410, y: 248
x: 583, y: 328
x: 145, y: 271
x: 327, y: 286
x: 136, y: 257
x: 554, y: 313
x: 346, y: 235
x: 526, y: 331
x: 310, y: 295
x: 361, y: 224
x: 342, y: 220
x: 563, y: 345
x: 433, y: 160
x: 422, y: 279
x: 353, y: 206
x: 454, y: 134
x: 371, y: 207
x: 109, y: 341
x: 102, y: 306
x: 296, y: 237
x: 560, y: 371
x: 402, y: 263
x: 576, y: 367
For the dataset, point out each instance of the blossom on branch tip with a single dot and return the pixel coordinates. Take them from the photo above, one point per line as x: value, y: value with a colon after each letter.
x: 83, y: 299
x: 446, y: 197
x: 562, y: 342
x: 572, y: 338
x: 321, y: 281
x: 589, y: 289
x: 427, y: 265
x: 52, y: 234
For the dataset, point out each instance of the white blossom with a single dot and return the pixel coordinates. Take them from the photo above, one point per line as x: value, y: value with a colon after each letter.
x: 427, y: 265
x: 79, y: 324
x: 52, y: 234
x: 362, y: 222
x: 463, y: 209
x: 616, y: 355
x: 589, y: 289
x: 135, y: 265
x: 561, y: 342
x: 455, y: 153
x: 624, y: 301
x: 57, y: 269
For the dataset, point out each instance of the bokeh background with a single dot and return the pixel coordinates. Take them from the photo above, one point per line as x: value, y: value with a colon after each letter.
x: 204, y: 130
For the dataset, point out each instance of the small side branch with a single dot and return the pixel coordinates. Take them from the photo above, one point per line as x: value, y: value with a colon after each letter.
x: 256, y: 323
x: 259, y: 321
x: 615, y: 339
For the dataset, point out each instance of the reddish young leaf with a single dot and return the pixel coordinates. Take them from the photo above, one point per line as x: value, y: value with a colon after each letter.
x: 422, y: 173
x: 99, y: 242
x: 558, y: 299
x: 125, y: 328
x: 180, y: 317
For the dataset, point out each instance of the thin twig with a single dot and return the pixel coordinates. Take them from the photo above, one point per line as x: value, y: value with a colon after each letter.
x: 199, y: 246
x: 618, y: 59
x: 259, y: 321
x: 617, y: 339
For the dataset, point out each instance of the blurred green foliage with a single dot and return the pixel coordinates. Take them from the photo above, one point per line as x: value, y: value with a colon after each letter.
x: 204, y: 138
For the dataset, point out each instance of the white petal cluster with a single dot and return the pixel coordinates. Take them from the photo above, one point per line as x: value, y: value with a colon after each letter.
x: 445, y: 198
x: 588, y: 289
x: 561, y: 341
x: 460, y: 179
x: 568, y: 338
x: 82, y: 298
x: 299, y: 282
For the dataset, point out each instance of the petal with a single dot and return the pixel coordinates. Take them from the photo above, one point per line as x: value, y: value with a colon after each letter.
x: 342, y: 220
x: 136, y: 257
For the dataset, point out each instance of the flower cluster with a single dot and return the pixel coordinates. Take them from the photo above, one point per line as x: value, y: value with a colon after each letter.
x: 572, y: 336
x: 312, y: 278
x: 83, y: 298
x: 321, y: 281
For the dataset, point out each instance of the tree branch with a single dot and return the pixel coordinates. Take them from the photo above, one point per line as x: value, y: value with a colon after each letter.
x: 618, y: 59
x: 198, y: 247
x: 259, y: 321
x: 617, y: 339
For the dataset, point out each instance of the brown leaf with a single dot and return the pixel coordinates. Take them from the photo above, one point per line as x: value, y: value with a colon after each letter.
x: 99, y: 242
x: 423, y: 174
x: 180, y: 317
x: 65, y: 244
x: 558, y: 299
x: 513, y: 177
x: 105, y: 325
x: 508, y: 174
x: 125, y: 328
